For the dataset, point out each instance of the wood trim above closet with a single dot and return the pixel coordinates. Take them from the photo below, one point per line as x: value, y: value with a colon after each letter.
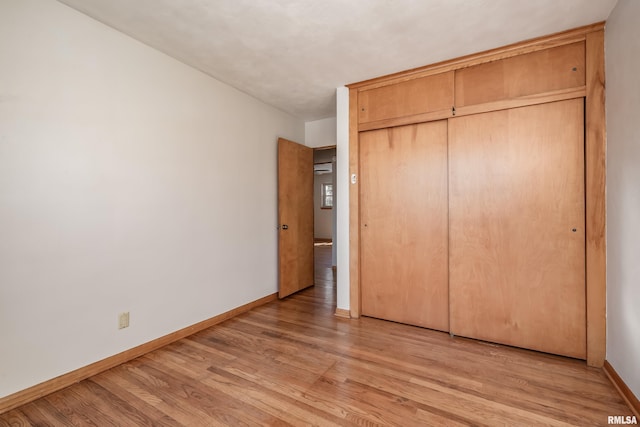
x: 407, y: 120
x: 522, y: 101
x: 520, y: 48
x: 592, y: 89
x: 538, y: 98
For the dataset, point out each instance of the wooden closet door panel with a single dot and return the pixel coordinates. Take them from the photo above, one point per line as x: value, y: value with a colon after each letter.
x: 416, y: 96
x: 404, y: 270
x: 517, y: 267
x: 548, y: 70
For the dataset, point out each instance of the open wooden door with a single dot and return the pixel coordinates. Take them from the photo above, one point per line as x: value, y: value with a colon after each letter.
x: 295, y: 217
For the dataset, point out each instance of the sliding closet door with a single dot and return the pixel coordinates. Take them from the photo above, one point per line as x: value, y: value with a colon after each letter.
x: 404, y: 270
x: 517, y: 230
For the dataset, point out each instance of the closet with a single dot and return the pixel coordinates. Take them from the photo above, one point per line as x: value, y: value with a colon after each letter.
x: 477, y: 196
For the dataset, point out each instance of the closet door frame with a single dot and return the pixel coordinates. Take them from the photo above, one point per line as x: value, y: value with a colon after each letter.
x: 595, y: 160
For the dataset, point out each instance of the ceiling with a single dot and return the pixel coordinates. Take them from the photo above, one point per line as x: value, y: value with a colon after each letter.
x: 292, y: 54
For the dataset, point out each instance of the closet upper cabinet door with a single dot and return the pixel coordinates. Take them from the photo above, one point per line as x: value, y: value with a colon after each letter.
x: 417, y: 96
x: 547, y: 70
x: 517, y: 227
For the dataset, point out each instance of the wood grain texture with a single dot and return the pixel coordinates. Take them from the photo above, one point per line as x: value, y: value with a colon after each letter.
x: 595, y: 155
x: 547, y: 70
x: 295, y: 217
x: 292, y: 362
x: 623, y: 388
x: 403, y: 223
x: 354, y: 207
x: 407, y: 120
x: 521, y: 48
x: 418, y: 96
x: 517, y: 270
x: 32, y: 393
x: 523, y: 101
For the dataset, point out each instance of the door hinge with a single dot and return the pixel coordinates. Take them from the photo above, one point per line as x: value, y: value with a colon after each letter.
x: 453, y: 111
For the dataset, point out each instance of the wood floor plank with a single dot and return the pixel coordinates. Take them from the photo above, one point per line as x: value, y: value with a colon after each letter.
x: 280, y: 402
x: 365, y: 403
x: 136, y: 400
x: 16, y: 418
x: 219, y: 406
x: 79, y: 411
x: 293, y: 363
x: 42, y: 413
x: 305, y: 395
x: 122, y: 411
x: 168, y: 401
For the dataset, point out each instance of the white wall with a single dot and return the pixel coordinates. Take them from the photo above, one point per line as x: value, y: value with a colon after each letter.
x: 320, y: 133
x: 128, y: 182
x: 322, y: 218
x: 334, y: 217
x: 622, y: 49
x: 342, y: 188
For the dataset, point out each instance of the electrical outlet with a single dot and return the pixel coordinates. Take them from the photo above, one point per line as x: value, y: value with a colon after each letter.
x: 123, y: 320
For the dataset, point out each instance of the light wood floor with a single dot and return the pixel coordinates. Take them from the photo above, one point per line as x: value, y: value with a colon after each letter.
x: 292, y: 362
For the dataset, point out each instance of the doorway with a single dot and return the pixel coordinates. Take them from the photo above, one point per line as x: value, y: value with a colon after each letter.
x: 324, y: 229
